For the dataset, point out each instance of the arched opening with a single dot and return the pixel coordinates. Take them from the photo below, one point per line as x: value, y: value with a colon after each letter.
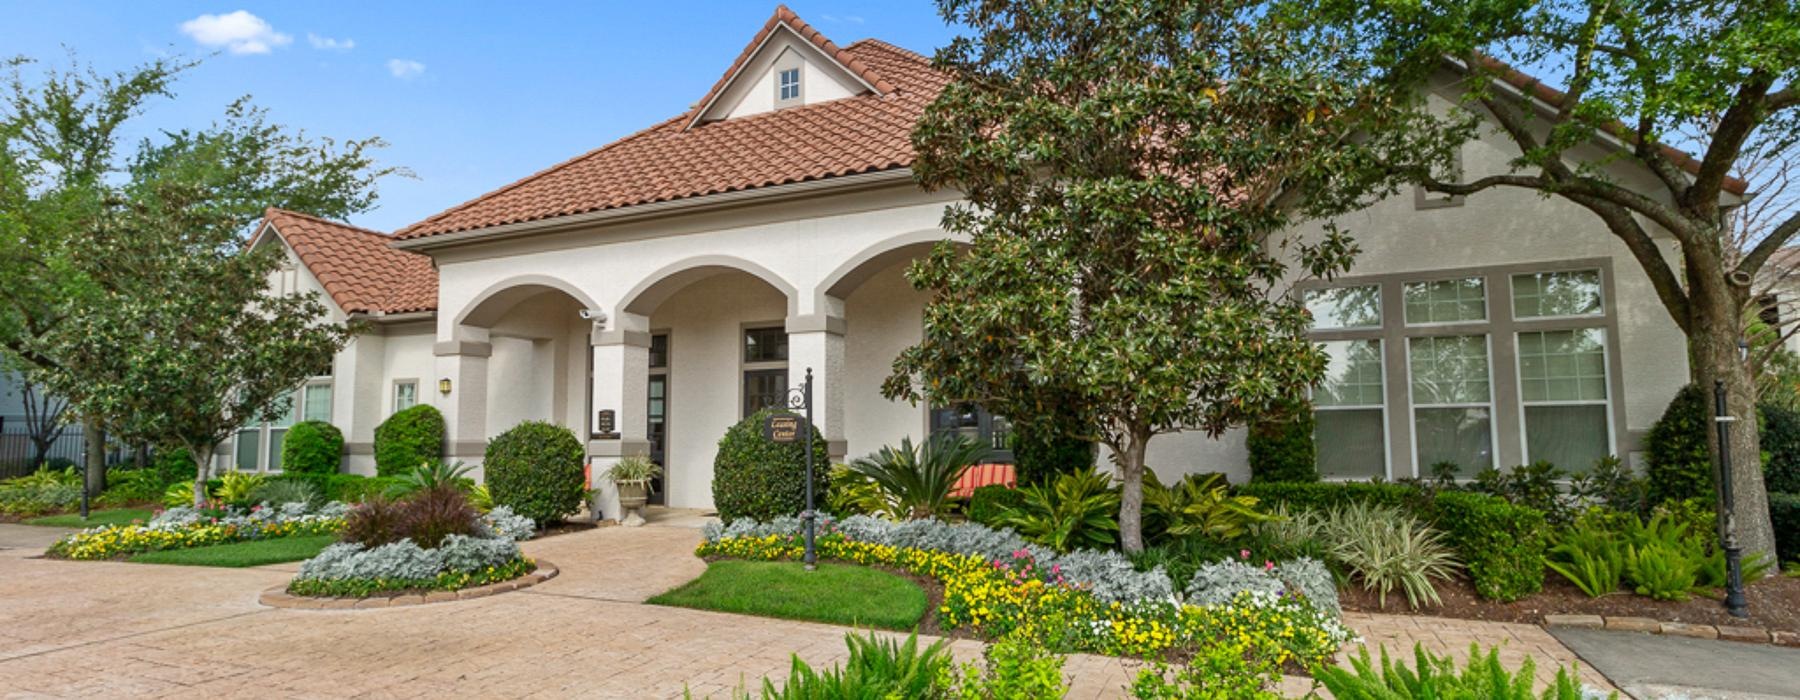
x: 539, y: 364
x: 718, y: 351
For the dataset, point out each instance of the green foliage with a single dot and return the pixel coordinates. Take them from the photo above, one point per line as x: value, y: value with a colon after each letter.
x: 1662, y: 571
x: 1675, y: 450
x: 1042, y: 451
x: 1784, y: 509
x: 536, y: 469
x: 1534, y: 485
x: 1077, y: 511
x: 878, y: 667
x: 445, y: 581
x: 636, y: 469
x: 1328, y: 495
x: 1229, y: 669
x: 172, y: 464
x: 180, y: 494
x: 235, y: 487
x: 276, y: 492
x: 407, y: 439
x: 1434, y: 676
x: 430, y: 515
x: 127, y: 486
x: 1126, y: 246
x: 916, y: 481
x: 1282, y: 449
x: 1781, y: 448
x: 97, y: 518
x: 1590, y: 557
x: 349, y: 488
x: 1011, y: 669
x: 854, y: 494
x: 46, y: 490
x: 1198, y: 504
x: 1501, y: 543
x: 430, y: 475
x: 312, y: 447
x: 1614, y: 485
x: 1388, y: 549
x: 237, y: 555
x: 754, y: 477
x: 988, y: 504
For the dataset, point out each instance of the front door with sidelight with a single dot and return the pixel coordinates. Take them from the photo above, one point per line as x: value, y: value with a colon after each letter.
x: 658, y: 413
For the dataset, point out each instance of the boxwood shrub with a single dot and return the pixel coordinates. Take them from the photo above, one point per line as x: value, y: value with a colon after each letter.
x: 762, y: 480
x: 1501, y: 544
x: 988, y: 503
x: 1675, y: 456
x: 1780, y: 448
x: 1331, y: 494
x: 408, y: 439
x: 349, y: 488
x: 1784, y: 509
x: 1282, y: 449
x: 536, y: 469
x: 312, y: 447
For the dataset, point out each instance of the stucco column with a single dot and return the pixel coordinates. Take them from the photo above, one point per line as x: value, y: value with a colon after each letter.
x: 464, y: 361
x: 816, y: 341
x: 621, y: 386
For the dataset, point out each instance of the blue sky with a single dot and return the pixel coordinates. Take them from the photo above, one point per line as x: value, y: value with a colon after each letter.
x: 470, y: 96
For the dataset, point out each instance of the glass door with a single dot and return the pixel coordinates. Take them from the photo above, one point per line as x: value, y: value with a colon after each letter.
x: 658, y: 432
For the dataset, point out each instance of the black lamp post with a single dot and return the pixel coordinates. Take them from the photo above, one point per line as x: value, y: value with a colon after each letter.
x: 1734, y: 552
x: 800, y: 399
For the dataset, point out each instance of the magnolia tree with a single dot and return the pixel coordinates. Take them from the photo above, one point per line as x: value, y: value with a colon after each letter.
x: 1130, y: 173
x: 128, y: 287
x: 1637, y: 74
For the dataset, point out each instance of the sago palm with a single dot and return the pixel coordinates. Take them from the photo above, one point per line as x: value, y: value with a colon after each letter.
x: 916, y: 481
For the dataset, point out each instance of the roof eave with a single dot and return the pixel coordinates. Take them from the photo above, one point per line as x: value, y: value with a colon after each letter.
x: 636, y: 212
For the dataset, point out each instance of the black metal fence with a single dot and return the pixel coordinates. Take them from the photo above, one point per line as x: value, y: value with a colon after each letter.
x: 20, y: 453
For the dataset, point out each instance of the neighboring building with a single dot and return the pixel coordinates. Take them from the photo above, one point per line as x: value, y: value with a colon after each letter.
x: 681, y: 277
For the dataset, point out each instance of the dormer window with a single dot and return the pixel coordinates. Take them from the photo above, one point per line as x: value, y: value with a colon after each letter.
x: 787, y: 85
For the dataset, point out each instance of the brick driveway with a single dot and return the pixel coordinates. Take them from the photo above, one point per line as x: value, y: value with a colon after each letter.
x: 94, y: 628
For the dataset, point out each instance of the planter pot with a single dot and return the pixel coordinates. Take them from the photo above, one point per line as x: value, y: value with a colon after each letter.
x: 632, y: 497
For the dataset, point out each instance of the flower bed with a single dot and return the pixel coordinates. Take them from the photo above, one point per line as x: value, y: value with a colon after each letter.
x: 996, y: 585
x: 181, y: 528
x: 355, y: 570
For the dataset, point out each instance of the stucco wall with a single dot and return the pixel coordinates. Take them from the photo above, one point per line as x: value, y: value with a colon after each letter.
x: 882, y: 317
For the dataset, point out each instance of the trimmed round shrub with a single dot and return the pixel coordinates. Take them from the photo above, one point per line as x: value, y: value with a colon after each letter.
x: 536, y: 469
x: 1780, y: 448
x: 1502, y: 544
x: 1039, y: 456
x: 1282, y: 449
x: 762, y: 480
x: 1676, y: 460
x: 408, y: 439
x: 312, y: 447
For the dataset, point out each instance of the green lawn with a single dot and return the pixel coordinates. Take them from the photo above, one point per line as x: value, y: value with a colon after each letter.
x: 242, y: 554
x: 835, y: 593
x: 96, y: 518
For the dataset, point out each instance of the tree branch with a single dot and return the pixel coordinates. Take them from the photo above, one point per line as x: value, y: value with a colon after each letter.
x: 1777, y: 238
x: 1735, y: 126
x: 1626, y: 227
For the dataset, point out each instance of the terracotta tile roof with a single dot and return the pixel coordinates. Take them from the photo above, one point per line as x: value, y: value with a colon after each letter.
x: 359, y: 268
x: 1536, y: 88
x: 670, y: 161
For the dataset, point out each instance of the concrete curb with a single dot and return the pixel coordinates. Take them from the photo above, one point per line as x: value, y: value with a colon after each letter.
x: 278, y: 597
x: 1751, y: 635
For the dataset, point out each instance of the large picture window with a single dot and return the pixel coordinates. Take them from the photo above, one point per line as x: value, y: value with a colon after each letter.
x: 1452, y: 394
x: 765, y: 382
x: 1349, y: 413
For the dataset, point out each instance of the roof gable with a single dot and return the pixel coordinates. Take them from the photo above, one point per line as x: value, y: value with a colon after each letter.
x: 358, y: 268
x: 786, y: 41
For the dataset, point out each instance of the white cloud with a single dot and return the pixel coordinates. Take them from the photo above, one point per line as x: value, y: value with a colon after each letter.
x: 325, y: 43
x: 238, y: 32
x: 405, y: 69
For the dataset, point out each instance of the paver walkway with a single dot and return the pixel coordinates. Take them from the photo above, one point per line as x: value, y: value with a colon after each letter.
x: 112, y: 629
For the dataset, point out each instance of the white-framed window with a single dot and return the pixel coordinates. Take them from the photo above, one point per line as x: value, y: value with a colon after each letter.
x: 406, y: 395
x: 1563, y: 396
x: 1349, y: 411
x: 787, y: 85
x: 1453, y: 402
x: 1345, y: 308
x: 1564, y: 294
x: 258, y: 446
x: 1446, y: 301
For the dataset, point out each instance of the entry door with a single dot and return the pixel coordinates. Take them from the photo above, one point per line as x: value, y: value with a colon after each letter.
x: 658, y: 411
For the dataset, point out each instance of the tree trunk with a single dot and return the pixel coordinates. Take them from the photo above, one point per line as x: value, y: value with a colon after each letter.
x: 1713, y: 355
x: 1131, y: 493
x: 96, y: 457
x: 203, y: 457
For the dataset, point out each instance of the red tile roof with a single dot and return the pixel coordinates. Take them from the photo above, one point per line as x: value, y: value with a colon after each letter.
x: 359, y: 268
x: 670, y: 161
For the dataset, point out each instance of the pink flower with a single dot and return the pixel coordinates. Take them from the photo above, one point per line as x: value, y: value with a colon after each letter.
x: 1268, y: 565
x: 1243, y: 554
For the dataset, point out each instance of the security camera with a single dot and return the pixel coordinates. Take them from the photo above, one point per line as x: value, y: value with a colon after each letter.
x: 595, y: 315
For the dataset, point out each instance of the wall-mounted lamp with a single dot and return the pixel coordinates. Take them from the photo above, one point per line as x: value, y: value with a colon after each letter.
x: 444, y: 386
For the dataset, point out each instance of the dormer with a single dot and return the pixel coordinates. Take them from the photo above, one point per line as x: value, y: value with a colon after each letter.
x: 787, y: 64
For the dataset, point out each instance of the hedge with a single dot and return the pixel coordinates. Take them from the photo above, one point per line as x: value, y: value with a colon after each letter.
x: 312, y: 447
x: 1039, y: 456
x: 1283, y: 449
x: 1784, y: 509
x: 408, y: 439
x: 1781, y: 448
x: 763, y: 480
x: 536, y: 469
x: 1332, y: 494
x: 988, y: 503
x: 1502, y: 544
x: 349, y: 488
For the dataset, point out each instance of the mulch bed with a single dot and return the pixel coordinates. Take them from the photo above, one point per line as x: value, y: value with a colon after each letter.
x: 1774, y: 604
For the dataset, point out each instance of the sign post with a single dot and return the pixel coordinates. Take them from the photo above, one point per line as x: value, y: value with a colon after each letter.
x: 786, y: 428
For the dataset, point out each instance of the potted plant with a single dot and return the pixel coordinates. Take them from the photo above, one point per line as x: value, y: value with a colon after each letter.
x: 632, y: 476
